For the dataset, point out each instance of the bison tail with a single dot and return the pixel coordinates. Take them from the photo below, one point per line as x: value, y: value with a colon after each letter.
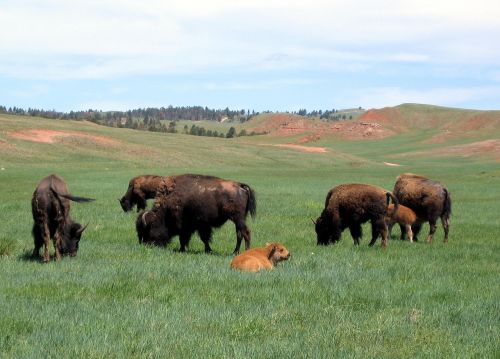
x: 447, y: 204
x: 251, y: 203
x: 395, y: 201
x: 76, y: 198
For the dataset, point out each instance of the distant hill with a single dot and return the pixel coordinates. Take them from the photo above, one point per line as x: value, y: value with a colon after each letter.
x: 443, y: 123
x: 449, y: 122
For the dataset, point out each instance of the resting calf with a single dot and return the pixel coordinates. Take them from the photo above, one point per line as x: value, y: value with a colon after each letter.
x: 256, y: 259
x: 404, y: 216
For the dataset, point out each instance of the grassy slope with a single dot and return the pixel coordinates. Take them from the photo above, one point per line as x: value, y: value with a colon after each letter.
x: 120, y: 299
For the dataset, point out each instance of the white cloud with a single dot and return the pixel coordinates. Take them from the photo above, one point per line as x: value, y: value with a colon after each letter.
x: 109, y: 38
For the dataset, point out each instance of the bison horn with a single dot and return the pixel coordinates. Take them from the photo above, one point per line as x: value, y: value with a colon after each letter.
x: 313, y: 221
x: 80, y: 231
x: 143, y: 218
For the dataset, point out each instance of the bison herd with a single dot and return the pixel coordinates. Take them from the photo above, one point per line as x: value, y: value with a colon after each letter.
x: 191, y: 203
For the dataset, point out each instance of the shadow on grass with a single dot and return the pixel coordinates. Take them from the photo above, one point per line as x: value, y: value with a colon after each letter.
x: 187, y: 252
x: 27, y: 256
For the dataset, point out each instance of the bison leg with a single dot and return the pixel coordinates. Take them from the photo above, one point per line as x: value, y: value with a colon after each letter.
x: 57, y: 244
x: 390, y: 224
x: 206, y: 237
x: 446, y: 226
x: 37, y: 239
x: 432, y: 230
x: 242, y: 232
x: 141, y: 203
x: 410, y: 233
x: 403, y: 232
x: 416, y: 227
x: 356, y: 232
x: 379, y: 228
x: 184, y: 239
x: 46, y: 242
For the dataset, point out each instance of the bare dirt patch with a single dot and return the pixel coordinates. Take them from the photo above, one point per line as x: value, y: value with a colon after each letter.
x: 52, y: 136
x: 303, y: 148
x: 313, y: 130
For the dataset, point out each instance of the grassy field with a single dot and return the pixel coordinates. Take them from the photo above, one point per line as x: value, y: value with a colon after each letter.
x: 120, y: 299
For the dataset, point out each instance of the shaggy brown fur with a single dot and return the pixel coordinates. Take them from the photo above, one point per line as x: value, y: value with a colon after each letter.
x: 140, y: 189
x: 429, y: 199
x: 256, y: 259
x: 350, y: 205
x: 196, y: 203
x: 50, y: 207
x: 404, y: 216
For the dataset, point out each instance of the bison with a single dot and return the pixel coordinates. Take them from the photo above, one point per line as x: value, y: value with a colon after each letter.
x: 50, y: 206
x: 429, y: 199
x: 350, y: 205
x: 196, y: 203
x: 140, y: 189
x: 256, y: 259
x: 404, y: 216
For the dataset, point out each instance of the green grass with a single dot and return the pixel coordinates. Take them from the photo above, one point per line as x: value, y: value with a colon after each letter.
x: 120, y: 299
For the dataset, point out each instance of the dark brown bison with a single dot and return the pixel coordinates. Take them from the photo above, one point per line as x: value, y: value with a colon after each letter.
x: 50, y: 206
x: 350, y: 205
x: 196, y: 203
x: 140, y: 189
x: 429, y: 199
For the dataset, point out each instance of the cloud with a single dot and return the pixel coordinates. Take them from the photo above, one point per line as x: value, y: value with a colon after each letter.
x: 372, y: 53
x: 102, y: 39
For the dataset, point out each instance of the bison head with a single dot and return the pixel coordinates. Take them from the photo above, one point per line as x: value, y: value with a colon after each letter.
x: 278, y: 253
x: 71, y: 238
x: 151, y: 228
x: 326, y: 231
x: 125, y: 203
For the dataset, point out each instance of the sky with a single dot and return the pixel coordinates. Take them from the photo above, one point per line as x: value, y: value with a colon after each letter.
x: 276, y: 55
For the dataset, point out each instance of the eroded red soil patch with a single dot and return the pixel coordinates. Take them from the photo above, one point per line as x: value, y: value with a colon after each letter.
x: 51, y: 136
x: 289, y: 125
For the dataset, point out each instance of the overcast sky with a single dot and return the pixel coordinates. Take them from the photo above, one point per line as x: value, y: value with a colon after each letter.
x: 249, y: 54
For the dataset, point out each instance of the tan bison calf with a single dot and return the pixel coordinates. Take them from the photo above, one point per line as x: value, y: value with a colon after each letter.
x: 256, y: 259
x: 404, y: 216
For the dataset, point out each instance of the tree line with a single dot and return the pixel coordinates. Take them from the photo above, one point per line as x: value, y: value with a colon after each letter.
x: 164, y: 119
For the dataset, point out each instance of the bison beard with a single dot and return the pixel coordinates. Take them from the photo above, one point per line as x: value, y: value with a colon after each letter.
x: 196, y: 203
x: 350, y: 205
x: 50, y: 206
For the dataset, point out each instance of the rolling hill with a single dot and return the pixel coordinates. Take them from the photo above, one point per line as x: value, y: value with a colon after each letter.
x: 119, y: 298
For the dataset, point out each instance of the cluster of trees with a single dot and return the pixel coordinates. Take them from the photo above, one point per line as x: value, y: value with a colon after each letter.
x: 332, y: 115
x: 201, y: 131
x: 113, y: 118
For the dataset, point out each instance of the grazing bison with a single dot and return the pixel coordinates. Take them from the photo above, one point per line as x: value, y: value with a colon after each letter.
x: 196, y: 203
x: 140, y: 189
x: 256, y: 259
x: 50, y: 206
x: 404, y: 216
x: 350, y: 205
x: 429, y: 199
